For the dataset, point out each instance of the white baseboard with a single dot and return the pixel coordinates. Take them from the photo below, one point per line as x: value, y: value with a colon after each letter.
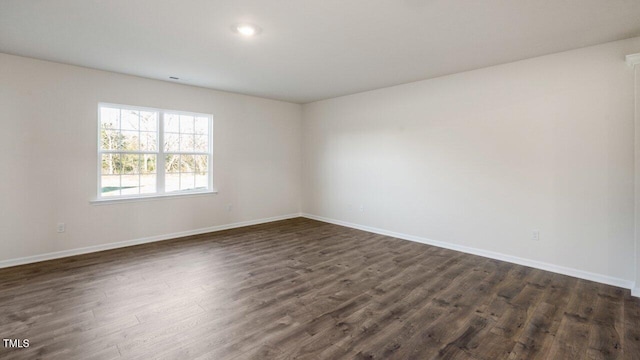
x: 635, y: 291
x: 121, y: 244
x: 604, y: 279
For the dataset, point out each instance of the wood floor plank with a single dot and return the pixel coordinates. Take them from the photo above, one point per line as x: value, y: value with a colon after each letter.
x: 572, y: 337
x: 303, y: 289
x: 631, y: 338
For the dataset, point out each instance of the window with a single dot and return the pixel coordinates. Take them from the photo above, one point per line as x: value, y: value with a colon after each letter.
x: 149, y: 152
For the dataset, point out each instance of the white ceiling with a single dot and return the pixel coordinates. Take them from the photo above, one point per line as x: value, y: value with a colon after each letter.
x: 309, y: 49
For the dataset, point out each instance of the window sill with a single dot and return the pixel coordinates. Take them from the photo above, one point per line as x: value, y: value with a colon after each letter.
x: 108, y: 201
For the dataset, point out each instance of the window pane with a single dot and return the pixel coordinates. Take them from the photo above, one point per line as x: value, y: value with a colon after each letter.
x: 148, y: 121
x: 130, y: 140
x: 187, y: 181
x: 130, y: 120
x: 186, y: 124
x: 187, y: 163
x: 201, y: 143
x: 148, y: 141
x: 172, y: 173
x: 202, y: 125
x: 201, y: 163
x: 202, y: 181
x: 111, y: 164
x: 148, y: 164
x: 172, y: 163
x: 148, y: 184
x: 186, y: 142
x: 130, y: 163
x: 109, y: 118
x: 110, y: 185
x: 171, y: 123
x: 171, y: 182
x: 171, y: 142
x: 110, y: 140
x: 130, y: 185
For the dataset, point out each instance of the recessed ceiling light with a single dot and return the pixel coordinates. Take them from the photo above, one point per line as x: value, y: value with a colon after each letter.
x: 246, y: 29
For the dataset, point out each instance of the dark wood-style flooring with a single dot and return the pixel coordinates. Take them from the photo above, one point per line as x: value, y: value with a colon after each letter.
x: 302, y: 289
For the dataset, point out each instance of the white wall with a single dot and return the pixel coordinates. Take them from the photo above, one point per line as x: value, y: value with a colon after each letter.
x: 48, y: 158
x: 482, y: 158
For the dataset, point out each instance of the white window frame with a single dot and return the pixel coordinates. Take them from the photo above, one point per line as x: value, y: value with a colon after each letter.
x: 160, y: 157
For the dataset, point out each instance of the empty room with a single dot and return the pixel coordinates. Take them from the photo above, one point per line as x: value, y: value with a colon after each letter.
x: 320, y: 179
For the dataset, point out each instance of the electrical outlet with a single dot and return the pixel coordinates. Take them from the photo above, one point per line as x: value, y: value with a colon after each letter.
x: 361, y: 208
x: 61, y: 227
x: 229, y: 208
x: 535, y: 235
